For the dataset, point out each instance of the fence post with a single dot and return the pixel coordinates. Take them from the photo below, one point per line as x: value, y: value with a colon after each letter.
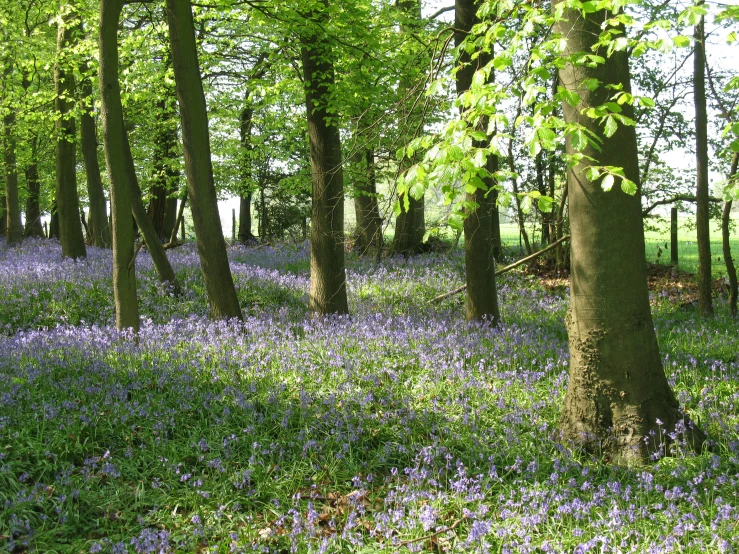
x: 673, y: 236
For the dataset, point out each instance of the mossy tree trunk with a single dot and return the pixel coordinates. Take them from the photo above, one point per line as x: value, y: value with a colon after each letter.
x: 482, y: 295
x: 222, y: 299
x: 726, y: 244
x: 327, y: 272
x: 67, y: 198
x: 618, y: 400
x: 115, y: 141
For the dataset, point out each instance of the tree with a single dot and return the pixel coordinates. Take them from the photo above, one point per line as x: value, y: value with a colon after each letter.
x: 13, y: 228
x: 482, y: 296
x: 327, y: 273
x: 99, y: 228
x: 115, y: 140
x: 618, y: 400
x: 222, y: 298
x: 67, y: 199
x: 702, y: 218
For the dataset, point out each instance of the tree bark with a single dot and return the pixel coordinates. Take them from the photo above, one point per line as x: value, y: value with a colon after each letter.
x: 67, y: 199
x: 245, y: 128
x: 115, y: 141
x: 410, y: 224
x: 98, y: 220
x: 13, y: 226
x: 702, y: 218
x: 369, y: 223
x: 482, y: 295
x: 618, y: 400
x: 164, y: 182
x: 33, y: 207
x: 327, y: 273
x: 726, y: 243
x: 222, y: 299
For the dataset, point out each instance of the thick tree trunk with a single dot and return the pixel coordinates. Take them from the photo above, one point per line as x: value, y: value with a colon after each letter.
x: 222, y: 299
x: 726, y: 243
x: 482, y: 295
x: 702, y: 218
x: 410, y: 224
x: 618, y: 400
x: 67, y: 199
x: 115, y: 140
x: 33, y: 207
x: 98, y: 220
x: 13, y: 225
x: 369, y: 223
x: 327, y: 273
x: 245, y: 234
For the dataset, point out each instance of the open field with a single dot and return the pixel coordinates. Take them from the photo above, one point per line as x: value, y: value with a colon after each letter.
x: 400, y: 429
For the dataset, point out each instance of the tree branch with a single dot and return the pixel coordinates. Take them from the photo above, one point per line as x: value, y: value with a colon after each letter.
x: 673, y: 199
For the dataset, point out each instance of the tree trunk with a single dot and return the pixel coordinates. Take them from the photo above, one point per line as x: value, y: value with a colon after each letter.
x: 67, y: 199
x: 115, y: 140
x: 98, y: 220
x: 327, y: 273
x: 164, y: 182
x: 618, y: 400
x: 245, y: 128
x: 482, y: 295
x: 33, y: 208
x: 222, y: 299
x: 13, y: 226
x: 702, y: 218
x: 730, y: 267
x: 410, y: 224
x: 369, y: 223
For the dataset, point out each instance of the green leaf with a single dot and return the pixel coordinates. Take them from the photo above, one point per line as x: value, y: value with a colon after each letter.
x: 681, y: 41
x: 607, y: 182
x: 611, y: 127
x: 628, y: 186
x: 734, y: 146
x: 545, y: 204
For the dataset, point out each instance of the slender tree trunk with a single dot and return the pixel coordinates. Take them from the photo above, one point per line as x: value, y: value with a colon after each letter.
x: 730, y: 267
x: 98, y: 221
x: 179, y: 221
x: 618, y: 400
x: 164, y: 183
x: 702, y: 218
x: 327, y: 273
x: 369, y: 223
x: 482, y: 295
x: 542, y: 188
x: 33, y: 208
x: 115, y: 140
x: 13, y: 226
x: 245, y: 128
x: 222, y: 299
x: 67, y: 199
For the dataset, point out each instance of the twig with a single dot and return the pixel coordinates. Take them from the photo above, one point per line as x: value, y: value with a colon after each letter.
x: 432, y: 535
x: 506, y: 269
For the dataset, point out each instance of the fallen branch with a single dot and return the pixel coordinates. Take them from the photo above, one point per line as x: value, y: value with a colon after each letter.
x: 506, y: 269
x: 432, y: 535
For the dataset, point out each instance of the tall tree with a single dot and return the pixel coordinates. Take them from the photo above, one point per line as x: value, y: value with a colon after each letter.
x: 246, y: 120
x: 369, y: 222
x: 13, y: 226
x: 222, y: 298
x: 410, y: 224
x: 702, y: 217
x: 482, y: 296
x: 115, y: 140
x: 98, y: 225
x: 327, y: 272
x: 67, y: 199
x: 618, y: 400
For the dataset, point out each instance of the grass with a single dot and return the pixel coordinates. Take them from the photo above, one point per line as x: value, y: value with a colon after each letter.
x: 399, y: 429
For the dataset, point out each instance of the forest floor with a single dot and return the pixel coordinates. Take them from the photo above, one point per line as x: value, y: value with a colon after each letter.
x: 398, y: 429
